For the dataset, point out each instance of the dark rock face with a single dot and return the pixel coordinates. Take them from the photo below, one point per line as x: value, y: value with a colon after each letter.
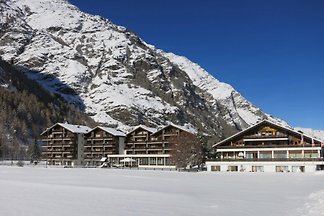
x: 112, y: 74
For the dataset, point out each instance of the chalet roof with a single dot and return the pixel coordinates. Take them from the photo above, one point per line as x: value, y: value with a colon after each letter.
x: 298, y: 133
x: 149, y: 129
x: 112, y: 131
x: 186, y: 128
x: 80, y: 129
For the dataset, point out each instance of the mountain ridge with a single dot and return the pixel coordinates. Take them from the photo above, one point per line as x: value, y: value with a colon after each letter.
x: 113, y: 75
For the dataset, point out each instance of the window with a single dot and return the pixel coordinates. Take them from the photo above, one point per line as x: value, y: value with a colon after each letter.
x: 320, y: 167
x: 280, y: 154
x: 232, y: 168
x: 152, y: 161
x: 311, y: 154
x: 251, y: 155
x: 160, y: 161
x: 167, y: 161
x: 295, y: 154
x: 265, y: 155
x: 143, y: 161
x: 282, y: 169
x: 257, y: 169
x: 298, y: 168
x: 215, y: 168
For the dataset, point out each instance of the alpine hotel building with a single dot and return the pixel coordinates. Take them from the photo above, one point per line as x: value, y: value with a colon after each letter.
x: 268, y: 147
x: 76, y: 145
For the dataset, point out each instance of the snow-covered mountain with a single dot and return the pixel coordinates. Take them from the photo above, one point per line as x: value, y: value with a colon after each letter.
x: 112, y: 74
x: 319, y: 134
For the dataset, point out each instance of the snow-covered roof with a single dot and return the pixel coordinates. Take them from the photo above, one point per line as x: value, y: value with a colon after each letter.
x: 269, y: 122
x: 150, y: 129
x: 80, y: 129
x: 75, y: 128
x: 103, y: 159
x: 187, y: 128
x: 112, y: 131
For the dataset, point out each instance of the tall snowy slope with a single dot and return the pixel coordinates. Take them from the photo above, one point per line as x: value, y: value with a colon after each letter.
x: 240, y: 110
x: 311, y: 132
x: 112, y: 74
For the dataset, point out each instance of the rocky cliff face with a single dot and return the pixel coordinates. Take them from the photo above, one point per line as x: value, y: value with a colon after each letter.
x: 112, y: 74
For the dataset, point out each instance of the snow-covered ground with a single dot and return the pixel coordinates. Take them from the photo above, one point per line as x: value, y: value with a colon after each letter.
x: 36, y: 191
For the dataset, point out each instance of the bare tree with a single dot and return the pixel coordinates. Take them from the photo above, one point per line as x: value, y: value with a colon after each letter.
x: 187, y: 150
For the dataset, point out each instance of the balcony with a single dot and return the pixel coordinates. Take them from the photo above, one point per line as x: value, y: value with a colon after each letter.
x: 97, y: 152
x: 139, y: 149
x: 155, y: 147
x: 67, y: 145
x: 98, y: 145
x: 139, y: 135
x: 264, y: 136
x: 268, y: 159
x: 56, y: 145
x: 170, y: 134
x: 269, y: 146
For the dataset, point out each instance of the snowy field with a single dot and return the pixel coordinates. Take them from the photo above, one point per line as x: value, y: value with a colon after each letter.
x: 35, y: 191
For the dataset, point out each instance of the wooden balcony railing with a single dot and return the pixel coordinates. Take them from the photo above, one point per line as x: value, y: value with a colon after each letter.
x: 267, y: 159
x: 270, y: 146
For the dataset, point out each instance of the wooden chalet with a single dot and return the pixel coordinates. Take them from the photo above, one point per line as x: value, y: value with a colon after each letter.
x: 101, y: 142
x: 149, y: 147
x: 63, y: 144
x: 268, y: 146
x: 163, y: 139
x: 138, y: 139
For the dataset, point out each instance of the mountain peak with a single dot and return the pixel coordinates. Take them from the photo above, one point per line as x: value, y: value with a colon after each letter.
x: 113, y: 75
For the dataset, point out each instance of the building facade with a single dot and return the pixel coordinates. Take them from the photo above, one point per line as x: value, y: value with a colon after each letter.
x: 63, y: 144
x: 71, y: 145
x: 138, y: 141
x: 152, y: 148
x: 101, y: 142
x: 268, y: 147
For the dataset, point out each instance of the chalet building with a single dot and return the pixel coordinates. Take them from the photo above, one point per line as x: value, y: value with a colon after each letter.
x: 101, y: 142
x: 138, y: 139
x: 63, y: 144
x: 149, y: 147
x: 268, y: 147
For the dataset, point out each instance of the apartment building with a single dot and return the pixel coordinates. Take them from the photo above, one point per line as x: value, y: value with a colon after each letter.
x: 268, y: 147
x: 101, y: 142
x: 63, y: 144
x: 150, y: 147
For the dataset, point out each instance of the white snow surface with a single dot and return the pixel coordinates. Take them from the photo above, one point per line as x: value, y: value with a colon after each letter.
x: 113, y: 131
x: 32, y: 191
x: 95, y: 58
x: 239, y: 107
x: 73, y: 46
x: 150, y: 129
x: 319, y: 134
x: 75, y: 128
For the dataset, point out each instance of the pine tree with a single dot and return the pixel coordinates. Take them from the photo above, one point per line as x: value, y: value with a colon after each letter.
x: 35, y: 152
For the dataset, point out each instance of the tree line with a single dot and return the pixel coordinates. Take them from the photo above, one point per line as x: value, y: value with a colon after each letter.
x: 27, y: 109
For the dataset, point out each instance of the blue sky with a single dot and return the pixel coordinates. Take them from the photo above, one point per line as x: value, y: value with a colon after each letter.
x: 272, y: 52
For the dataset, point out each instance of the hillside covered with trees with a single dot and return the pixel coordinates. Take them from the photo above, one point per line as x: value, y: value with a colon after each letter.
x: 27, y: 109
